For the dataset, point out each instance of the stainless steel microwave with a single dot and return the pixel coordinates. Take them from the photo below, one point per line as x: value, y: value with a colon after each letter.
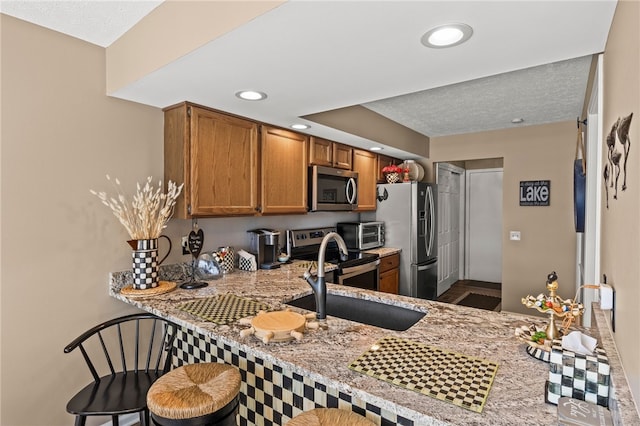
x: 332, y: 189
x: 362, y: 235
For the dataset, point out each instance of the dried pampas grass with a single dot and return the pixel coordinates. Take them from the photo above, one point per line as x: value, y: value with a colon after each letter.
x: 149, y: 211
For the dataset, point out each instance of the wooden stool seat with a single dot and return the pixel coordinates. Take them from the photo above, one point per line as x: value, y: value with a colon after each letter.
x: 329, y: 417
x: 191, y: 394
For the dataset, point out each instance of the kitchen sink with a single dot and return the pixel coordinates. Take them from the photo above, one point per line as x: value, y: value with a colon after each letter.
x: 363, y: 311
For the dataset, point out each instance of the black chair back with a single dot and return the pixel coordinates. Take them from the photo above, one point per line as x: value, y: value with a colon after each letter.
x: 125, y: 356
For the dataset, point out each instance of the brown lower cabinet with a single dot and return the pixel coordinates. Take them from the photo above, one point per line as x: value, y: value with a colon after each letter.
x: 389, y: 273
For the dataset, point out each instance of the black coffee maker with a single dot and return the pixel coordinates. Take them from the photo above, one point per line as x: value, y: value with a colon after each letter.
x: 265, y: 246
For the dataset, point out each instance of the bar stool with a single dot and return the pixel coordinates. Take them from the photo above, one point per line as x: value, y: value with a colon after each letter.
x: 329, y: 417
x: 196, y: 395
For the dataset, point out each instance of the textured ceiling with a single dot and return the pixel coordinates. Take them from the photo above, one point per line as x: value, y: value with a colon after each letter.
x: 527, y: 59
x: 542, y: 94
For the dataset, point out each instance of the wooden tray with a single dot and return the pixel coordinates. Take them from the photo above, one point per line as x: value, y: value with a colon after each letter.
x: 163, y: 287
x: 278, y: 326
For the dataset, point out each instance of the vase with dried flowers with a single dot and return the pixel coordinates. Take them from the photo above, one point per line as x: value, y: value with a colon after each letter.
x: 144, y: 218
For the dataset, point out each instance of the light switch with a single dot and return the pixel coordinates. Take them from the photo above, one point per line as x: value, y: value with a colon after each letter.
x: 514, y: 235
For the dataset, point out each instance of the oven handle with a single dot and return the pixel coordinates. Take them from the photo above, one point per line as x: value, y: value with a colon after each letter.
x: 352, y: 271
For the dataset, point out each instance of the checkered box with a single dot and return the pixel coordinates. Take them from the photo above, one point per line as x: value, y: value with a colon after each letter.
x: 583, y: 377
x: 246, y: 264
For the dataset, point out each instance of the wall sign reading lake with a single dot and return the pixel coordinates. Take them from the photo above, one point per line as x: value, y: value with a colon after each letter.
x: 535, y: 192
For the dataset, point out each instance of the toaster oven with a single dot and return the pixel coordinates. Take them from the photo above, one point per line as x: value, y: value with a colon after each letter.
x: 362, y: 235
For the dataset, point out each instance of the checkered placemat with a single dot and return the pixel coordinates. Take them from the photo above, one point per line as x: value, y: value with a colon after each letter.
x: 458, y: 379
x: 223, y: 309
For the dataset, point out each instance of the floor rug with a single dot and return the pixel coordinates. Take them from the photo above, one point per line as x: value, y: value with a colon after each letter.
x: 480, y: 301
x: 447, y: 376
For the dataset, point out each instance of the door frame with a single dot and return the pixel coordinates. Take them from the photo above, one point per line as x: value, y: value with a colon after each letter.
x: 589, y: 265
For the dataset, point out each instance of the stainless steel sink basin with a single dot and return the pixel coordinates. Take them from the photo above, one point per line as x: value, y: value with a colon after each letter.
x: 363, y: 311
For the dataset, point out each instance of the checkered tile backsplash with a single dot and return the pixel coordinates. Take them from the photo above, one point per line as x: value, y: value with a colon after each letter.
x: 269, y: 394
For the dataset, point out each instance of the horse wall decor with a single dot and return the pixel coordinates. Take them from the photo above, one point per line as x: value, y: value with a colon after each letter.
x: 618, y: 144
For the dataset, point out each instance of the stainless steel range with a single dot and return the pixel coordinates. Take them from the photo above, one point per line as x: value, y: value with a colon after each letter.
x: 359, y: 270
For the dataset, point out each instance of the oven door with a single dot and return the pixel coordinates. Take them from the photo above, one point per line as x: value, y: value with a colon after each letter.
x: 364, y: 276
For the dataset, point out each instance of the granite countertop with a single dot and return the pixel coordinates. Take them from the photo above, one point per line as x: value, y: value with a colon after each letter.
x: 384, y: 251
x: 517, y: 394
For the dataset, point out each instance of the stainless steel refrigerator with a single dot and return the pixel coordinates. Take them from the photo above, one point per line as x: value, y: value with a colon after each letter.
x: 408, y: 211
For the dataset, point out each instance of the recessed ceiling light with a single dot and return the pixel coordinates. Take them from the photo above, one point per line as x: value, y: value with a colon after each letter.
x: 251, y: 95
x: 517, y: 120
x: 299, y: 126
x: 375, y: 148
x: 447, y: 35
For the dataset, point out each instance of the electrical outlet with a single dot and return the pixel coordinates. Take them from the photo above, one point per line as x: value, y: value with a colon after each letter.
x: 185, y: 245
x: 514, y: 235
x: 607, y: 296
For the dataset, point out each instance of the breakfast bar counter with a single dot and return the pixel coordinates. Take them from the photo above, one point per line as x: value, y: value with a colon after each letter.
x: 280, y: 380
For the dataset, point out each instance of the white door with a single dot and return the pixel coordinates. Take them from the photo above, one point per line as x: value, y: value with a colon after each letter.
x: 483, y: 258
x: 448, y: 178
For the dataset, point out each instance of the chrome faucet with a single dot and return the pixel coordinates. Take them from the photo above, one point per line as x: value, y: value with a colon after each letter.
x: 319, y: 285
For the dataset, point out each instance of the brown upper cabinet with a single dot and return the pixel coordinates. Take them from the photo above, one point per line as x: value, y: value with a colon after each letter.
x: 283, y: 171
x: 323, y: 152
x: 216, y: 156
x: 233, y: 166
x: 365, y: 162
x: 384, y: 161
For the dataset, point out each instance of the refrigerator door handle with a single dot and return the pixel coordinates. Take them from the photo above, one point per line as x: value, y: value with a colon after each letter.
x: 430, y: 220
x: 424, y: 224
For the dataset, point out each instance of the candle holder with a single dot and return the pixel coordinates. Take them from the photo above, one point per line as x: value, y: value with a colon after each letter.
x: 554, y: 306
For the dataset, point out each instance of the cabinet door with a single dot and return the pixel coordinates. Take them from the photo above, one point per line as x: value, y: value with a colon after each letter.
x: 364, y: 162
x: 389, y: 262
x: 216, y: 156
x: 389, y: 281
x: 283, y: 171
x: 224, y: 160
x: 320, y: 152
x: 342, y: 156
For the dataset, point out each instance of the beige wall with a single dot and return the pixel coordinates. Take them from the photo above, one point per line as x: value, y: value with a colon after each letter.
x: 60, y: 136
x: 548, y: 242
x: 172, y: 30
x: 620, y: 249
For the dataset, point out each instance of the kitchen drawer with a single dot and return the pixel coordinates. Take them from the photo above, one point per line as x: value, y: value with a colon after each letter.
x: 389, y: 262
